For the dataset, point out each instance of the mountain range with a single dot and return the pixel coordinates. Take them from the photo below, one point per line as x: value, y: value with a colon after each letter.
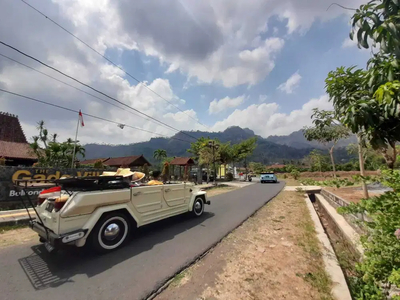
x: 274, y: 149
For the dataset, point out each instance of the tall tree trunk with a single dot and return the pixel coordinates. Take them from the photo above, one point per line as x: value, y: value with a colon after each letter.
x: 362, y: 170
x: 199, y: 174
x: 333, y: 161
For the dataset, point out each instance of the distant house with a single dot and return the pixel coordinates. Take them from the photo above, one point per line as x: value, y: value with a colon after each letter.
x: 133, y: 162
x: 276, y: 166
x: 13, y: 144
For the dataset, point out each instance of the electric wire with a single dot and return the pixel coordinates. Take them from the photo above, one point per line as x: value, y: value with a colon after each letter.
x: 94, y: 89
x: 89, y: 115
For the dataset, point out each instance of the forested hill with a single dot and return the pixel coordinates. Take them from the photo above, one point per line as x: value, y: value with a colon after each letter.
x: 274, y: 149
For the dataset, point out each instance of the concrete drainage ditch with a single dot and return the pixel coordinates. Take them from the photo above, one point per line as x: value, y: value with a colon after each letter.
x: 344, y: 240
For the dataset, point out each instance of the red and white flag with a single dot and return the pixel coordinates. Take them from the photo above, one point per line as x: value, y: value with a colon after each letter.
x: 52, y: 192
x: 81, y: 118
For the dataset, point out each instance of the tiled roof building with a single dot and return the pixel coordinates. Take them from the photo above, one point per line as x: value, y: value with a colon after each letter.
x: 13, y: 144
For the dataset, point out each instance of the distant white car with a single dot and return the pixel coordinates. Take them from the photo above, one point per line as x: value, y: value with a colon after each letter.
x: 101, y: 211
x: 268, y: 177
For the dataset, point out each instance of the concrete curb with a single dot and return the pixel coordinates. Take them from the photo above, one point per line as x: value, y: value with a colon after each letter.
x: 340, y: 290
x: 19, y: 221
x: 351, y: 235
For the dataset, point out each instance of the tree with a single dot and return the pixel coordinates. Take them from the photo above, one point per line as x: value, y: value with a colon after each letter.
x: 51, y: 153
x: 225, y: 154
x: 159, y: 155
x: 195, y: 151
x: 98, y: 164
x: 208, y: 156
x: 378, y: 21
x: 257, y: 167
x: 317, y: 161
x: 243, y: 150
x: 326, y: 131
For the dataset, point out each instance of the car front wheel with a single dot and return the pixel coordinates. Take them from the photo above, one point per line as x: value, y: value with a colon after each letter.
x: 198, y: 207
x: 110, y: 232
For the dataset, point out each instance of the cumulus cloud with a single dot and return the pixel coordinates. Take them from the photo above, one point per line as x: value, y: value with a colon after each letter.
x: 212, y: 40
x: 217, y: 41
x: 217, y: 106
x: 265, y: 119
x: 291, y: 84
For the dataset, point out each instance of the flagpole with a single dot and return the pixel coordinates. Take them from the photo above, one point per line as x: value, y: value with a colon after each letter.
x: 76, y: 139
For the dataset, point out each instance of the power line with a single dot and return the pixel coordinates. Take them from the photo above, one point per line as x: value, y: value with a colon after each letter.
x: 88, y: 115
x: 111, y: 62
x: 70, y: 85
x: 92, y: 88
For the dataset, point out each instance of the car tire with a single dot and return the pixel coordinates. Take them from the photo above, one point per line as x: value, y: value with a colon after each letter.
x: 110, y: 232
x: 198, y: 207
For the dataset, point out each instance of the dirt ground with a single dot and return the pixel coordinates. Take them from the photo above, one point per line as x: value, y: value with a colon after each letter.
x: 273, y: 255
x: 220, y: 190
x: 290, y: 181
x: 9, y: 237
x: 351, y: 194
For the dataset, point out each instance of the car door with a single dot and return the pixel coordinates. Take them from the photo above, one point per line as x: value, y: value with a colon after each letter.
x: 175, y: 194
x: 147, y: 198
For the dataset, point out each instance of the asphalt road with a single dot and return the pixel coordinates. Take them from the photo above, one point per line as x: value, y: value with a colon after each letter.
x: 155, y: 253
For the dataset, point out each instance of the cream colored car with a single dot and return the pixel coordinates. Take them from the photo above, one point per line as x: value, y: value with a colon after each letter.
x: 102, y: 211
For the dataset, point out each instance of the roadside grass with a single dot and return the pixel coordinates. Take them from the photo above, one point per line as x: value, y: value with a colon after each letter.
x: 4, y: 229
x: 317, y: 275
x: 181, y: 278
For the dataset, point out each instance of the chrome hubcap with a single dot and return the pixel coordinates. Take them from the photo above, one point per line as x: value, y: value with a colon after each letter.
x: 111, y: 231
x: 197, y: 206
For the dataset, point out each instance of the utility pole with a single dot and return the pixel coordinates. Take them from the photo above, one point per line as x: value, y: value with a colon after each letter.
x: 214, y: 146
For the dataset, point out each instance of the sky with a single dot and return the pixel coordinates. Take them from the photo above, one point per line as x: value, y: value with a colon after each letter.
x: 200, y: 65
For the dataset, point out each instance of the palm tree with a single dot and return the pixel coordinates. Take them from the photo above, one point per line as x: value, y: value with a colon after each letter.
x: 159, y: 154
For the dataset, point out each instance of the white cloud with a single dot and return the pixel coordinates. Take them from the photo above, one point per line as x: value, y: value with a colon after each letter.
x: 262, y: 98
x: 348, y: 43
x: 209, y: 41
x: 265, y: 119
x: 291, y: 84
x: 216, y: 106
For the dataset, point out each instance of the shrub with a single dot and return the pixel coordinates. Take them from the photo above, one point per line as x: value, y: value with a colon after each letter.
x: 229, y: 176
x: 295, y: 174
x: 98, y: 164
x: 285, y: 176
x: 380, y: 267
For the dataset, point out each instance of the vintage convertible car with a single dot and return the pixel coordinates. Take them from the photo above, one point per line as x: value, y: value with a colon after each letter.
x: 101, y: 211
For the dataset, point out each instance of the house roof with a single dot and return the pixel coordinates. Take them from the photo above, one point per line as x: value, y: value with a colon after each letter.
x: 276, y: 166
x: 127, y: 161
x: 92, y: 161
x: 16, y: 150
x: 182, y: 161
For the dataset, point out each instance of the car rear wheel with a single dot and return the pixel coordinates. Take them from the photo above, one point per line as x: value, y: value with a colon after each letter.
x: 198, y: 207
x: 110, y: 232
